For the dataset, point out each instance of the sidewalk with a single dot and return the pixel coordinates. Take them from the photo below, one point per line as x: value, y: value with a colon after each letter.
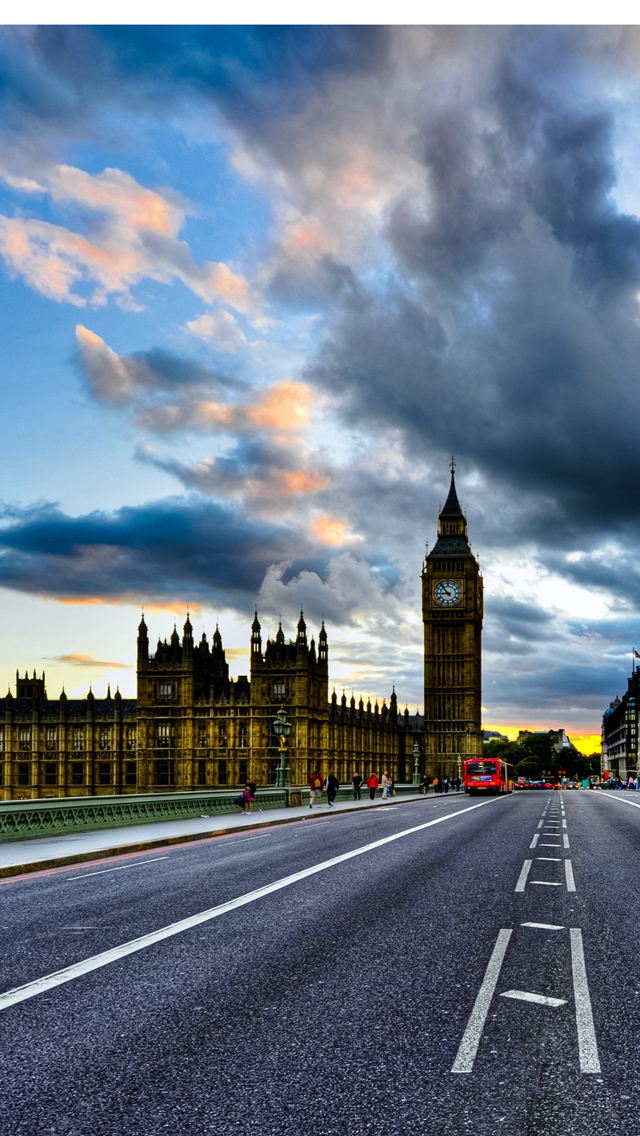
x: 20, y: 856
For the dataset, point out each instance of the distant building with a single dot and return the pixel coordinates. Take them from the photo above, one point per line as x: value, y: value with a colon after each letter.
x: 559, y: 738
x: 493, y: 736
x: 620, y: 732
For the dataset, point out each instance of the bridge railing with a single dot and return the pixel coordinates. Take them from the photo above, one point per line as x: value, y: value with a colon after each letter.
x: 52, y: 816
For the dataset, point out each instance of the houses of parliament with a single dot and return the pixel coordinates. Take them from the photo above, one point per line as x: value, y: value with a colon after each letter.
x: 192, y: 727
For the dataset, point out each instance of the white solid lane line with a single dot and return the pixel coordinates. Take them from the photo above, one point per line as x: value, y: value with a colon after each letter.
x: 30, y: 989
x: 522, y: 878
x: 565, y: 840
x: 568, y: 871
x: 587, y: 1044
x: 535, y: 840
x: 123, y: 868
x: 540, y: 999
x: 468, y: 1047
x: 544, y: 926
x: 621, y: 800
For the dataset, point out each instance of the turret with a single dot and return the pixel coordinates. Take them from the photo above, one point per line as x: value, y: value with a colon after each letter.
x: 187, y: 637
x: 217, y: 651
x: 280, y: 634
x: 323, y: 647
x: 393, y: 706
x: 301, y: 639
x: 256, y: 638
x: 143, y: 642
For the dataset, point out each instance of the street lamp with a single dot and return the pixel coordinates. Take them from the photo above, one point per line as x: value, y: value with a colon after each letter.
x: 416, y: 763
x: 282, y: 729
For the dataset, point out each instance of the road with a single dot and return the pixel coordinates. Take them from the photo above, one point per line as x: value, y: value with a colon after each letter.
x: 419, y: 968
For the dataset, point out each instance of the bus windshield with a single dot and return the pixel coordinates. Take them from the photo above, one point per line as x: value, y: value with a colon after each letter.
x: 476, y: 767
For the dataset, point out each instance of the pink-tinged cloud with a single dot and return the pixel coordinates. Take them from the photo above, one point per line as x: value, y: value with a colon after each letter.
x: 76, y: 660
x: 332, y: 530
x: 134, y: 235
x: 303, y: 481
x: 283, y: 407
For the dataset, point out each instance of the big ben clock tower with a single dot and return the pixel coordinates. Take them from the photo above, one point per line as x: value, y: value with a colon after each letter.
x: 452, y: 616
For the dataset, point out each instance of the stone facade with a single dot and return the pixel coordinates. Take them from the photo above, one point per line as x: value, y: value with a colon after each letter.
x: 192, y: 727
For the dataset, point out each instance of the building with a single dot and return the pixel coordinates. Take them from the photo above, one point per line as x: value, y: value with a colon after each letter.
x: 192, y: 727
x: 559, y: 739
x: 452, y: 607
x: 620, y: 732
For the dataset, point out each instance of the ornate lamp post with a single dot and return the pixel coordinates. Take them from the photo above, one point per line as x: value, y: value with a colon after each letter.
x: 282, y: 729
x: 416, y: 763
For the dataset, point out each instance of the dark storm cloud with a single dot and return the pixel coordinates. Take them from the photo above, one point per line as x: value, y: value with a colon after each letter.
x: 177, y: 548
x: 53, y: 78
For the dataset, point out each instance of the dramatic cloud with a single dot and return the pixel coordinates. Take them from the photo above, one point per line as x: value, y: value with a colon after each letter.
x: 165, y: 550
x: 133, y: 235
x: 447, y: 261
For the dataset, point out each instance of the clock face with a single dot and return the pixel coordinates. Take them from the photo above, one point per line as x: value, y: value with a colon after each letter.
x: 447, y: 593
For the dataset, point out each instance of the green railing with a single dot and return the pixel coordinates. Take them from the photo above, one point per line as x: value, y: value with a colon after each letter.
x: 52, y: 816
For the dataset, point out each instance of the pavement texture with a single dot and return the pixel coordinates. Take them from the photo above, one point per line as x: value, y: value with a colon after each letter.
x: 338, y: 1003
x: 36, y: 852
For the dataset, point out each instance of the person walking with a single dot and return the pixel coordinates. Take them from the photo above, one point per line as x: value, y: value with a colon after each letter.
x: 437, y: 788
x: 332, y: 785
x: 372, y: 785
x: 315, y: 788
x: 456, y: 784
x: 385, y: 784
x: 446, y: 784
x: 357, y: 785
x: 424, y: 785
x: 245, y: 800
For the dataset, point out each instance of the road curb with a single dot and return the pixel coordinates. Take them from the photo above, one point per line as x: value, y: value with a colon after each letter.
x: 168, y: 841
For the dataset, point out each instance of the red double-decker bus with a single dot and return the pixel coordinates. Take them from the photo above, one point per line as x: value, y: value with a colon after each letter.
x: 487, y: 775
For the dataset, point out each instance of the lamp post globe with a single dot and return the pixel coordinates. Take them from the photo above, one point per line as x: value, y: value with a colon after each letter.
x: 282, y: 729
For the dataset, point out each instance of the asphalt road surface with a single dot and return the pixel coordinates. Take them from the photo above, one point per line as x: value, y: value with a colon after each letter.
x: 448, y: 966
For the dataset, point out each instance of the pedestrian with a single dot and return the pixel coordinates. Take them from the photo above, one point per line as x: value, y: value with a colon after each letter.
x: 245, y: 800
x: 372, y: 785
x: 385, y: 784
x: 315, y: 788
x: 331, y: 785
x: 446, y: 784
x: 357, y: 784
x: 638, y: 782
x: 254, y: 789
x: 392, y: 787
x: 424, y: 785
x: 436, y: 784
x: 630, y: 783
x: 456, y: 784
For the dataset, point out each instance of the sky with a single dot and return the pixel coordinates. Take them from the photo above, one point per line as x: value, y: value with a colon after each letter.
x: 258, y: 284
